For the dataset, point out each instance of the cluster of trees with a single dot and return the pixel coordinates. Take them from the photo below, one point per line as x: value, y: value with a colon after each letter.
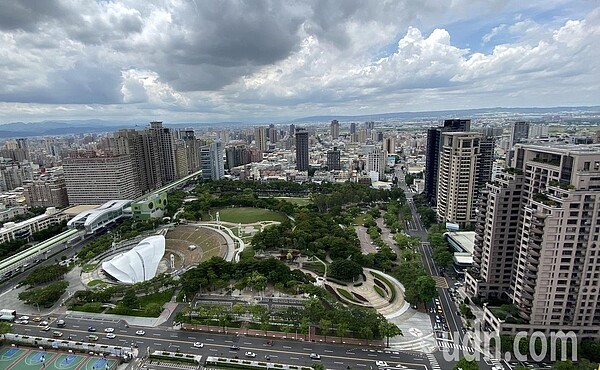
x: 409, y: 178
x: 420, y: 287
x: 345, y: 270
x: 12, y: 247
x: 428, y: 216
x: 217, y: 273
x: 353, y: 193
x: 588, y: 351
x: 46, y: 296
x: 331, y: 318
x: 45, y: 274
x: 442, y: 255
x: 393, y: 210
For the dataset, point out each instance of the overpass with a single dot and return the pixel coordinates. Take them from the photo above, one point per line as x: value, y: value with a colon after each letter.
x: 24, y: 257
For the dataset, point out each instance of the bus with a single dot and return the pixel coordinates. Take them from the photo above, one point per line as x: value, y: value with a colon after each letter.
x: 8, y: 315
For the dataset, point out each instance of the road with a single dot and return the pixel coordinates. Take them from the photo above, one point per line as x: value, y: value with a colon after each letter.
x: 282, y: 351
x: 453, y: 338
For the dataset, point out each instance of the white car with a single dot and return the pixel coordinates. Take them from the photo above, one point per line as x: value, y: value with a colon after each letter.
x: 111, y: 336
x: 381, y: 363
x: 109, y: 330
x: 140, y: 332
x: 250, y: 354
x: 24, y: 318
x: 315, y: 356
x: 198, y: 345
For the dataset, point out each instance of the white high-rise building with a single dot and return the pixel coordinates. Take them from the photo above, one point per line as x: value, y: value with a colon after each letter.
x: 212, y: 162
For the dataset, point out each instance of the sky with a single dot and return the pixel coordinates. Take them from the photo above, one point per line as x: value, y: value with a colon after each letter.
x: 221, y: 60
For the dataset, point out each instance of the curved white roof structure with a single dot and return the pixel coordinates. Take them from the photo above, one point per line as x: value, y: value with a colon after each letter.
x: 138, y: 264
x: 99, y: 217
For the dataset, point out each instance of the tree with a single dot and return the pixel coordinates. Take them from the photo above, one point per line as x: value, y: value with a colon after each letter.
x: 426, y: 288
x: 564, y: 365
x: 325, y: 325
x: 342, y: 329
x: 344, y: 269
x: 4, y: 327
x: 318, y: 366
x: 463, y: 364
x: 130, y: 299
x: 389, y: 329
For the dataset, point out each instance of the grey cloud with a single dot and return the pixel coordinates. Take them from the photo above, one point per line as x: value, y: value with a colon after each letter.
x: 27, y: 14
x: 81, y: 84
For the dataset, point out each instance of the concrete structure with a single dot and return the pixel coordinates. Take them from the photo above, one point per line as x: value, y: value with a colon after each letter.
x: 138, y: 264
x: 335, y: 129
x: 211, y: 160
x: 301, y: 149
x: 153, y: 206
x: 555, y: 269
x: 96, y: 180
x: 458, y: 177
x: 100, y: 217
x: 389, y: 145
x: 23, y: 230
x: 462, y: 242
x: 434, y: 148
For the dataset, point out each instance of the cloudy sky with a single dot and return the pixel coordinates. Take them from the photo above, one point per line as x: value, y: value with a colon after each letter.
x: 220, y: 60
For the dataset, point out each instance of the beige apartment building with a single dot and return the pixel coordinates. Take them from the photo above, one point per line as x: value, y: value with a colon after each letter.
x: 555, y: 271
x: 458, y: 177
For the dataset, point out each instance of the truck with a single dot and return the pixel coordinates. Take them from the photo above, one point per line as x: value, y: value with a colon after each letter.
x: 8, y: 315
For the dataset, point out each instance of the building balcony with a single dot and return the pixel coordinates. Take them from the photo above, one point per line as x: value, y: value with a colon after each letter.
x: 534, y: 262
x: 537, y: 231
x: 530, y: 274
x: 528, y: 288
x: 528, y: 298
x: 534, y: 253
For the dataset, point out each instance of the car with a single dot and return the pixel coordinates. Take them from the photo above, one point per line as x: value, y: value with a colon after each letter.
x: 24, y: 322
x: 37, y: 319
x: 60, y: 323
x: 91, y: 329
x: 46, y: 328
x: 92, y: 338
x: 250, y: 354
x: 315, y: 356
x: 44, y: 323
x: 24, y: 318
x: 381, y: 363
x: 234, y: 347
x: 140, y: 332
x: 57, y: 334
x: 198, y: 345
x: 110, y: 336
x: 109, y: 330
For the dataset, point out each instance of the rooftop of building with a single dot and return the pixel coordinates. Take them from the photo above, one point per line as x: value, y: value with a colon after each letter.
x: 461, y: 241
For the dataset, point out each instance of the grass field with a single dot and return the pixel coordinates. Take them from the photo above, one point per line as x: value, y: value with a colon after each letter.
x: 249, y: 215
x: 34, y: 359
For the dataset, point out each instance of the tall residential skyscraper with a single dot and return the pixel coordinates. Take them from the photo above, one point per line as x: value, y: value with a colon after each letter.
x: 165, y: 145
x: 292, y: 130
x: 352, y: 128
x: 335, y: 129
x: 260, y: 138
x: 457, y: 186
x: 389, y: 145
x: 333, y: 160
x: 96, y: 180
x: 552, y: 232
x: 519, y: 132
x: 301, y: 149
x: 434, y: 147
x: 211, y: 159
x: 376, y: 162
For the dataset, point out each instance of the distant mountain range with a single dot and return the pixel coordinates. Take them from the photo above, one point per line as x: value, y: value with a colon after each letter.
x: 74, y: 127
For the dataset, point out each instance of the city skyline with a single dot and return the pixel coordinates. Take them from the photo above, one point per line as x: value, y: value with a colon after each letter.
x: 225, y: 61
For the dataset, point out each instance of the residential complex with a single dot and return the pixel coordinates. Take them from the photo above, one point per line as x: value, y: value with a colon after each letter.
x: 537, y: 242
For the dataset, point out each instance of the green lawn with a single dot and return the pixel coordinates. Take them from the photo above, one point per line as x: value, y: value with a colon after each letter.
x: 246, y: 215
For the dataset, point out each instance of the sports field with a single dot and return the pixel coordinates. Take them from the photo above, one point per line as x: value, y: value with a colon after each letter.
x: 29, y: 359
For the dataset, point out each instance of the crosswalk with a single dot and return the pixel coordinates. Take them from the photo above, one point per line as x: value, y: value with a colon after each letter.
x: 434, y: 364
x: 440, y: 282
x: 444, y: 344
x: 496, y: 364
